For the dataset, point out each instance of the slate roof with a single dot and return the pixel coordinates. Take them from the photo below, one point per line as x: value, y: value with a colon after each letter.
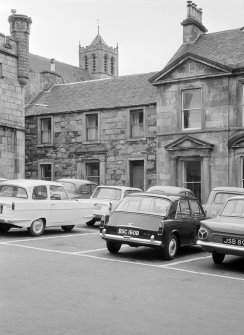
x: 97, y: 40
x: 224, y: 47
x: 70, y: 73
x: 132, y: 90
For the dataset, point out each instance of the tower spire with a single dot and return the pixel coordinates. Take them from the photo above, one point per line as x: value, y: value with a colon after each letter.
x: 98, y: 27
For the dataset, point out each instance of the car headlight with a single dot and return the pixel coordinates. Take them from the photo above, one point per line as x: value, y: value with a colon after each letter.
x: 202, y: 234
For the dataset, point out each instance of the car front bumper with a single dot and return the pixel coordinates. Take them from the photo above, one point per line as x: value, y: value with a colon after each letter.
x: 131, y: 240
x: 222, y: 248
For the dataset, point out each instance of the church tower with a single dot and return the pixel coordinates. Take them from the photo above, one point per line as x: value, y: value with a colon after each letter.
x: 99, y: 59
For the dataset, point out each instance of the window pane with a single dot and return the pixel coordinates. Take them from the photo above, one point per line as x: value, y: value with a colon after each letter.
x: 192, y: 99
x: 192, y: 119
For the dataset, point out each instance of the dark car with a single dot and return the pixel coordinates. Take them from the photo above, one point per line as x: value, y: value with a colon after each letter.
x: 224, y: 234
x: 78, y: 188
x: 153, y: 220
x: 160, y: 189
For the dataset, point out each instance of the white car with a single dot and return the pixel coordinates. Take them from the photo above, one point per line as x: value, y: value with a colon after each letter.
x: 38, y: 204
x: 106, y: 199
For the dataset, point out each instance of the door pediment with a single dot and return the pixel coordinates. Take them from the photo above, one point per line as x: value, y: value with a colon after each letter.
x: 188, y: 142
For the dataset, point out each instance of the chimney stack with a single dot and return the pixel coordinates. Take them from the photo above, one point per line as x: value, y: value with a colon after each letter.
x: 192, y: 25
x: 20, y: 31
x: 52, y: 64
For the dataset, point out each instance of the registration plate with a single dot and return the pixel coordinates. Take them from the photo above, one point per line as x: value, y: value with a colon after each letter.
x: 234, y: 241
x: 128, y: 232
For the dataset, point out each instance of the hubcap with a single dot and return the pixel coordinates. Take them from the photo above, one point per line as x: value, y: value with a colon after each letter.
x: 37, y: 226
x: 172, y: 247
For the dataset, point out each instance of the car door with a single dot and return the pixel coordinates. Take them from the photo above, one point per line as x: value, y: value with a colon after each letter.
x: 185, y: 222
x: 61, y: 206
x: 197, y: 214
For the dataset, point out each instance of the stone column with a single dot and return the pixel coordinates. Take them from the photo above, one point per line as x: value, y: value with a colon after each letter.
x: 173, y: 171
x: 205, y: 179
x: 102, y: 171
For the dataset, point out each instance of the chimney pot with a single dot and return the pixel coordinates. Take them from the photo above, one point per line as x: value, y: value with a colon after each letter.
x: 52, y: 64
x: 13, y: 11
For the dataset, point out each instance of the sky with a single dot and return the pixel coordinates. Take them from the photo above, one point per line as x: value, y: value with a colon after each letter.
x: 148, y: 32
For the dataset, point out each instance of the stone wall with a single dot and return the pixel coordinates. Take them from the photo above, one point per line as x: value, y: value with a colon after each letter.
x: 70, y: 151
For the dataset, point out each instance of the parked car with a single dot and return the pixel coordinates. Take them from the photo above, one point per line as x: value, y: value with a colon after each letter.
x: 166, y: 222
x: 39, y: 204
x: 106, y: 199
x: 170, y: 190
x: 218, y: 197
x: 78, y: 188
x: 224, y: 234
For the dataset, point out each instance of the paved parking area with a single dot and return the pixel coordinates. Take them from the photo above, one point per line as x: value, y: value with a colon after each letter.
x: 65, y: 282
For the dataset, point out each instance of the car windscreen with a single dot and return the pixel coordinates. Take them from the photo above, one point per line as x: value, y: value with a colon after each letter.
x: 107, y: 193
x: 147, y: 205
x: 13, y: 191
x: 221, y: 197
x: 69, y: 187
x: 234, y: 208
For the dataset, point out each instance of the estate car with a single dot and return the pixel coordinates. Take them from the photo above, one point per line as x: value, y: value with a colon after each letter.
x: 165, y: 222
x: 78, y: 188
x: 38, y: 204
x: 224, y: 234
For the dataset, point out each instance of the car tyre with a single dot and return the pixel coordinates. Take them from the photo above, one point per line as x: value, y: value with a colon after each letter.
x: 218, y: 258
x: 67, y: 228
x: 37, y: 228
x: 171, y: 248
x: 4, y: 228
x: 113, y: 247
x: 91, y: 223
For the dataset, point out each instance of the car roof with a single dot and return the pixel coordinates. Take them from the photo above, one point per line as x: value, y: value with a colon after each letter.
x: 237, y: 197
x: 76, y: 181
x: 171, y: 197
x: 228, y: 189
x: 29, y: 182
x: 119, y: 187
x: 168, y: 189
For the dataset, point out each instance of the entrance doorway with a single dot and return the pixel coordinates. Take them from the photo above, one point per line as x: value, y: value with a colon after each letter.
x: 137, y: 174
x: 192, y: 176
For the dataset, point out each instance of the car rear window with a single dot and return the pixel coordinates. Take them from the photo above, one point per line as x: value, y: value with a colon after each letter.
x: 147, y: 205
x: 107, y: 193
x: 221, y: 197
x: 13, y: 191
x: 234, y: 208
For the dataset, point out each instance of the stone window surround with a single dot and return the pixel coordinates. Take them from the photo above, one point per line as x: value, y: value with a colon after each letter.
x: 81, y: 169
x: 129, y: 138
x: 180, y: 119
x: 40, y: 144
x: 85, y: 140
x: 44, y: 162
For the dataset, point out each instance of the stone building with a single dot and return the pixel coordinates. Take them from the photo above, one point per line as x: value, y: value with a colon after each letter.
x: 200, y: 119
x: 14, y: 70
x: 102, y: 130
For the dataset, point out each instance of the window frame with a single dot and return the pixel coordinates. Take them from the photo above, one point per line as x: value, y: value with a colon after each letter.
x: 40, y: 122
x: 40, y: 170
x: 200, y: 109
x: 141, y: 127
x: 95, y: 178
x: 86, y: 139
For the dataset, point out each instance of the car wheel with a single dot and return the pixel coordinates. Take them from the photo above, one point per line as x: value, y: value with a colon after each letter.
x: 171, y: 247
x: 37, y: 227
x: 218, y: 258
x: 67, y: 228
x: 4, y: 228
x: 91, y: 223
x: 113, y: 247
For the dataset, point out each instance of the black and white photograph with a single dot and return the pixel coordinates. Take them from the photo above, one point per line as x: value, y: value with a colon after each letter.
x: 121, y: 167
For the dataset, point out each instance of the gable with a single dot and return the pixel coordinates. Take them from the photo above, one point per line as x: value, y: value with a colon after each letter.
x: 188, y: 142
x: 189, y: 66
